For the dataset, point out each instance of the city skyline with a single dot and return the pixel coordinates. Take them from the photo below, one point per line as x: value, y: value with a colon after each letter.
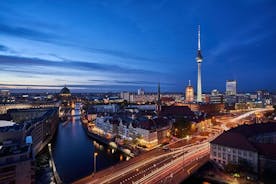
x: 105, y: 46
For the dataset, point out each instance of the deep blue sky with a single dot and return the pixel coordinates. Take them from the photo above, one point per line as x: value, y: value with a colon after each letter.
x: 127, y: 44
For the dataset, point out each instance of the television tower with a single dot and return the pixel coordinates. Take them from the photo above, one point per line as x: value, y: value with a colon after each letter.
x: 199, y: 60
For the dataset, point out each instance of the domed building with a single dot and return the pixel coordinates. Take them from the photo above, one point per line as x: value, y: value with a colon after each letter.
x: 189, y: 94
x: 65, y: 92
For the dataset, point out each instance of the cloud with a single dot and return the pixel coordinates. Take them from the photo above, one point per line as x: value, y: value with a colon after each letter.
x: 24, y: 32
x: 244, y: 37
x: 32, y: 73
x: 3, y: 48
x: 37, y: 35
x: 24, y: 62
x: 123, y: 82
x: 26, y: 28
x: 118, y: 53
x: 111, y: 87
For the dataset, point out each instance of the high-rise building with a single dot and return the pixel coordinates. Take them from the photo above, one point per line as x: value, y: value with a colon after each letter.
x: 231, y: 87
x: 125, y: 95
x: 140, y: 91
x: 216, y: 97
x: 199, y: 59
x: 189, y: 93
x: 231, y: 93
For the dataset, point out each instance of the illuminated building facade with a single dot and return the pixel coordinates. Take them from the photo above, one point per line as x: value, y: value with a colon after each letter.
x: 149, y: 132
x: 264, y: 97
x: 189, y: 93
x: 231, y: 87
x: 216, y: 97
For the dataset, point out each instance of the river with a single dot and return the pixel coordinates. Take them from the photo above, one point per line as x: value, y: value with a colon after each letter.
x: 73, y: 151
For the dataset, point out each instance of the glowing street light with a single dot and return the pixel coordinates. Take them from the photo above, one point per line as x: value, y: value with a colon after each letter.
x: 95, y: 157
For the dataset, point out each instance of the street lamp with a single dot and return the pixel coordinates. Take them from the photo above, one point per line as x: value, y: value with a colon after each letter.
x: 187, y: 139
x: 183, y: 157
x: 95, y: 157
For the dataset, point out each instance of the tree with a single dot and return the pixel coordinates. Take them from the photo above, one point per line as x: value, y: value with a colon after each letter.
x: 232, y: 168
x: 135, y: 141
x: 181, y: 128
x: 124, y: 104
x: 245, y: 166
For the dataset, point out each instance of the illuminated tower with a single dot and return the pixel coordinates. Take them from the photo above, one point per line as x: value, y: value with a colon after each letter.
x: 189, y: 93
x: 199, y: 60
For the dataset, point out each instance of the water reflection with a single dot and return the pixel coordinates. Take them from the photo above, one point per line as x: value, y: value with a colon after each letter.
x: 73, y: 151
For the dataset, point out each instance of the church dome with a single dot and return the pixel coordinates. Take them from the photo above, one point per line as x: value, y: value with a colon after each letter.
x: 65, y: 91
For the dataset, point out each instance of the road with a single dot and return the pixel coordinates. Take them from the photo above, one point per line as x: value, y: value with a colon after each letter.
x: 149, y: 164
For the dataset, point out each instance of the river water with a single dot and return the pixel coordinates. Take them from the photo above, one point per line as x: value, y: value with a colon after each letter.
x: 73, y: 151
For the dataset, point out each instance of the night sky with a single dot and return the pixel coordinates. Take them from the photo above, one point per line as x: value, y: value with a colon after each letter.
x: 127, y: 44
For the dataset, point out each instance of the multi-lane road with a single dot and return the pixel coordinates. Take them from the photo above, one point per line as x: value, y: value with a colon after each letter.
x: 162, y: 165
x: 158, y: 164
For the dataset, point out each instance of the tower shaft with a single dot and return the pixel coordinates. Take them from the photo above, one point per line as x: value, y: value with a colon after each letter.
x: 199, y: 59
x: 199, y: 89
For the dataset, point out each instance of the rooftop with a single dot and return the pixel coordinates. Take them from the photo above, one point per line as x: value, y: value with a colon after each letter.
x: 13, y: 149
x: 4, y: 123
x: 242, y: 138
x: 234, y: 140
x: 176, y: 111
x: 65, y: 90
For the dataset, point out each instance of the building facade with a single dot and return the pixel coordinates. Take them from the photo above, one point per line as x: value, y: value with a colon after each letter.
x: 250, y: 145
x: 16, y: 163
x: 189, y: 93
x: 231, y: 87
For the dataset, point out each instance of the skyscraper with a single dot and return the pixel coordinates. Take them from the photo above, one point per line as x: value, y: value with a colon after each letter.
x: 199, y: 59
x: 231, y: 87
x: 231, y: 92
x: 189, y: 93
x: 141, y: 91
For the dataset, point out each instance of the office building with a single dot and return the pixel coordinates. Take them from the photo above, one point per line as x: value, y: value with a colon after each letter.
x: 216, y: 97
x: 140, y: 91
x: 125, y: 95
x: 231, y: 87
x: 264, y: 97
